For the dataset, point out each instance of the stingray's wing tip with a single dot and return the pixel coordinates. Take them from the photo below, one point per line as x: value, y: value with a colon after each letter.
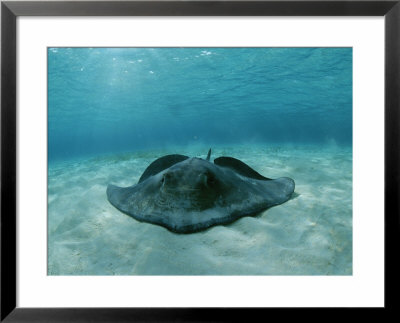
x: 288, y: 185
x: 111, y: 192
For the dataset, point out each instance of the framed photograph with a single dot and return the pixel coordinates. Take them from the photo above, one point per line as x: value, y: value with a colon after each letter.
x: 195, y: 160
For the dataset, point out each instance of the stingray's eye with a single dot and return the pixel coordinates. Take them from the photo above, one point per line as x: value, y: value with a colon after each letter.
x: 210, y: 179
x: 166, y: 178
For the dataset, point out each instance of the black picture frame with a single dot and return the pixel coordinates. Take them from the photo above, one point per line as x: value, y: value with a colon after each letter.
x: 10, y: 10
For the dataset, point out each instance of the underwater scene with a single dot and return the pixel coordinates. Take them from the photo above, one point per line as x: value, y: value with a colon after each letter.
x: 200, y: 161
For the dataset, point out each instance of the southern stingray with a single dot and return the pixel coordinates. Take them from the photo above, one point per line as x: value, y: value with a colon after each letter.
x: 186, y: 195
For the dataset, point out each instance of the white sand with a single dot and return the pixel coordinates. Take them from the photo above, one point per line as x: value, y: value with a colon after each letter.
x: 308, y: 235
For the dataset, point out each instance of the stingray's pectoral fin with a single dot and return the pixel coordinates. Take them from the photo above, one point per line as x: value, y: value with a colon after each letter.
x: 118, y: 196
x: 288, y: 186
x: 281, y: 189
x: 113, y: 194
x: 239, y: 167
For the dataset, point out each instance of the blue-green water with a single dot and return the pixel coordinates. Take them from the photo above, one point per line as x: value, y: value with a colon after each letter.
x: 106, y: 100
x: 282, y: 111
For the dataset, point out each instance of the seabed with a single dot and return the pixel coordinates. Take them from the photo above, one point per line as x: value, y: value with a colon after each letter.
x: 311, y: 234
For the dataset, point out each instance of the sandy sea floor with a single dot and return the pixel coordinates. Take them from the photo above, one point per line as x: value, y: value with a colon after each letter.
x: 311, y: 234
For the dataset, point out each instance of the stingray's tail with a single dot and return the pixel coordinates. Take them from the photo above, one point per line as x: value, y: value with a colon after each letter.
x: 208, y: 155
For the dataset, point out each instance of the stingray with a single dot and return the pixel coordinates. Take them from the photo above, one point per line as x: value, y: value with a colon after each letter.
x: 187, y: 195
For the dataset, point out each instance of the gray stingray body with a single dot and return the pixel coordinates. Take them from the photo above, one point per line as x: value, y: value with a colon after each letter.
x: 191, y: 194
